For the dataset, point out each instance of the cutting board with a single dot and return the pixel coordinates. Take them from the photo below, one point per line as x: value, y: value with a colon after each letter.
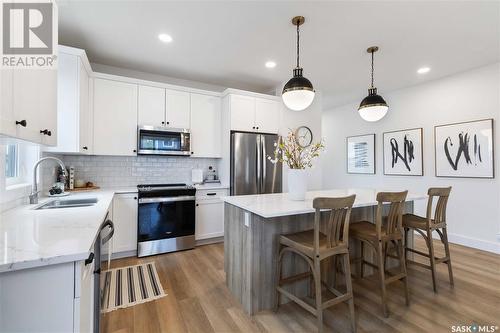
x: 82, y: 189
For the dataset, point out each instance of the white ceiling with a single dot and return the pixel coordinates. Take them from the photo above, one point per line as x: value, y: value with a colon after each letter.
x: 227, y: 43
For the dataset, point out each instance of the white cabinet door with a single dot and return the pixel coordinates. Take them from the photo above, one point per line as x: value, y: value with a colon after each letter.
x: 125, y: 221
x: 151, y: 106
x: 84, y: 297
x: 206, y: 120
x: 85, y: 128
x: 47, y: 112
x: 115, y: 118
x: 267, y: 115
x: 34, y: 100
x: 242, y: 113
x: 7, y: 117
x: 177, y: 108
x: 209, y: 219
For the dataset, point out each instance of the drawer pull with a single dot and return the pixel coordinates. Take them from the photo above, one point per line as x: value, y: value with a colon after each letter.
x: 23, y: 123
x: 211, y: 193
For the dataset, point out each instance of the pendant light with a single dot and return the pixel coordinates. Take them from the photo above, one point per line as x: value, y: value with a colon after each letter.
x: 373, y: 107
x: 298, y: 92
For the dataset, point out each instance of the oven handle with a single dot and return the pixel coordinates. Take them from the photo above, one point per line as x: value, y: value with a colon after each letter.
x: 166, y: 199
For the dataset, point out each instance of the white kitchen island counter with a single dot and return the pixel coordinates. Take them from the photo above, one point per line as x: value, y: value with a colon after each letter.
x: 32, y: 238
x: 278, y: 204
x: 252, y: 225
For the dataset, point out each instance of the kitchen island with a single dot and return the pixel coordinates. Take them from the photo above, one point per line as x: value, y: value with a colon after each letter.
x: 252, y: 224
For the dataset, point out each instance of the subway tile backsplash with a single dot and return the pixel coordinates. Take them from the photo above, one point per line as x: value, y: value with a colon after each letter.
x: 117, y: 171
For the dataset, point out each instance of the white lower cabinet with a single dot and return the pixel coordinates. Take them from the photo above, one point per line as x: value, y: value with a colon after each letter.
x: 125, y: 221
x: 209, y: 213
x: 53, y: 298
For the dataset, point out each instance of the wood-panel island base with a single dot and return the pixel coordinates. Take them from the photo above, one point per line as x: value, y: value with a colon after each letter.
x: 251, y: 248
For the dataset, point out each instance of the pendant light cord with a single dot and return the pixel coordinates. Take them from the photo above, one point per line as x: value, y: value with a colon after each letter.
x: 372, y: 68
x: 298, y: 41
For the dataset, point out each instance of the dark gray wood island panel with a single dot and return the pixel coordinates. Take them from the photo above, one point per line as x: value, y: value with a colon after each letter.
x: 251, y: 246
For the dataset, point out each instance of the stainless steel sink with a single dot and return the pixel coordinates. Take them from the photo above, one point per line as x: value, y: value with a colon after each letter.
x: 67, y: 203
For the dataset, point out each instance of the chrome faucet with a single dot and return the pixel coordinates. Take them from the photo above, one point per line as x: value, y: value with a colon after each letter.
x: 34, y: 189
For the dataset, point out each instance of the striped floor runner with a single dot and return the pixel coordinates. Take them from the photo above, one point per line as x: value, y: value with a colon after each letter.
x: 128, y: 286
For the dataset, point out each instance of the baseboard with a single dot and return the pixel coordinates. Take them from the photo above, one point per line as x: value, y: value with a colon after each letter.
x: 474, y: 243
x: 210, y: 241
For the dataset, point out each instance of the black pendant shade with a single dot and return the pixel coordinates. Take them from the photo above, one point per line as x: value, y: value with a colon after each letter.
x: 373, y: 99
x: 298, y: 82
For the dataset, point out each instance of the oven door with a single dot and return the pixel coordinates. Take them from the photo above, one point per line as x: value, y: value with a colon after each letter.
x: 161, y: 141
x: 165, y: 224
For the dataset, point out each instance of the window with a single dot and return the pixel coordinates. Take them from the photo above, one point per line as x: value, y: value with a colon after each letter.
x: 11, y: 162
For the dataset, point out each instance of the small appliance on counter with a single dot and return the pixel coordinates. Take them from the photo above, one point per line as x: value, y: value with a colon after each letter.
x: 197, y: 176
x: 166, y: 219
x: 212, y: 176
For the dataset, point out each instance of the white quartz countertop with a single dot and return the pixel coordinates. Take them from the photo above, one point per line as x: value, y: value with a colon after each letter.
x: 32, y: 238
x: 278, y: 204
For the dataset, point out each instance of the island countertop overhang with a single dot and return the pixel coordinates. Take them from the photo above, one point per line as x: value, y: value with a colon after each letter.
x: 278, y: 204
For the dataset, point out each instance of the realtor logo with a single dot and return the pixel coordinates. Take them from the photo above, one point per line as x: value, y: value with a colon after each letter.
x: 29, y: 34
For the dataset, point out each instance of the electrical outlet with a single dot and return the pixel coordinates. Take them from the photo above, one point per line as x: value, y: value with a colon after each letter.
x: 247, y: 219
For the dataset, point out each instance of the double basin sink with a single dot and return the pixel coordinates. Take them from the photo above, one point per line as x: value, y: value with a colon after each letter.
x: 67, y: 203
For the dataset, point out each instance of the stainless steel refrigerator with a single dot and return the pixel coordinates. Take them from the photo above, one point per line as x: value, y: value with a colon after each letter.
x: 251, y: 170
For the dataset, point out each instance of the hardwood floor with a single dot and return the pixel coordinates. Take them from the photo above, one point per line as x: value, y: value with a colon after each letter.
x: 198, y: 300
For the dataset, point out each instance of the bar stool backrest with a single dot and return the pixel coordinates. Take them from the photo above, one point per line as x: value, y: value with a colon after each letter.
x: 440, y: 211
x: 337, y: 229
x: 394, y: 221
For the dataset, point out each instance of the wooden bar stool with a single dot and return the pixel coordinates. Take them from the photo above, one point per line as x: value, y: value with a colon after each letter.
x: 314, y: 246
x: 386, y: 231
x: 425, y: 226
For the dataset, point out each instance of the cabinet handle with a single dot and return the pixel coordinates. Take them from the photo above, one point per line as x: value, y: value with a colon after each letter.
x: 211, y: 193
x: 135, y: 198
x: 85, y: 148
x: 23, y: 123
x: 89, y: 259
x: 168, y: 122
x: 46, y: 132
x: 257, y: 127
x: 197, y: 205
x: 253, y: 127
x: 135, y: 150
x: 163, y: 123
x: 192, y: 152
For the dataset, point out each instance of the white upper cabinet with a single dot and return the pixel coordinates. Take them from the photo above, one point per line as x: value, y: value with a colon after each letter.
x: 267, y: 115
x: 7, y: 116
x: 177, y: 108
x: 73, y: 103
x: 115, y: 118
x: 242, y: 113
x: 28, y: 97
x: 254, y: 114
x: 206, y: 139
x: 151, y: 106
x: 35, y: 102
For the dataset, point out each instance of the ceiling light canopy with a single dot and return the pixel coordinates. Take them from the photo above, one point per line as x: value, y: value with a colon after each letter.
x: 423, y: 70
x: 270, y: 64
x: 373, y: 107
x: 165, y: 38
x: 298, y: 92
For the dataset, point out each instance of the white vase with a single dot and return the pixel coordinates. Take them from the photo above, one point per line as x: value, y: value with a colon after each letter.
x: 297, y: 184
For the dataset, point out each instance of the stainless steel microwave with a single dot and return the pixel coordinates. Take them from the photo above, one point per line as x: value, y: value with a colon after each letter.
x: 153, y: 140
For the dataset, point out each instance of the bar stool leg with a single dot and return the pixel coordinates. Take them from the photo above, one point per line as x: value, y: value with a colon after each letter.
x: 362, y: 261
x: 381, y: 270
x: 317, y: 285
x: 447, y: 253
x: 402, y: 262
x: 432, y: 258
x: 348, y: 283
x: 278, y: 277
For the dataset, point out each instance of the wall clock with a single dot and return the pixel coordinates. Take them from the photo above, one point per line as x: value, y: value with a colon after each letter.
x: 304, y: 136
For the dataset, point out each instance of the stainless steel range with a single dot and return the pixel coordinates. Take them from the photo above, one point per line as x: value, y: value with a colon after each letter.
x: 166, y: 220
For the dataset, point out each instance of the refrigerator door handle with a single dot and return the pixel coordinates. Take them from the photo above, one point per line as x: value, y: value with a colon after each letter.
x: 258, y: 164
x: 263, y: 165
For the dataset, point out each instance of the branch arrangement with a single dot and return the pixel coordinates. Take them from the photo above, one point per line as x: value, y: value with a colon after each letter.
x: 288, y: 151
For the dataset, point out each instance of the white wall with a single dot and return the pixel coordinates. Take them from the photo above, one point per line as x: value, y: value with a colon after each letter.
x: 473, y: 210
